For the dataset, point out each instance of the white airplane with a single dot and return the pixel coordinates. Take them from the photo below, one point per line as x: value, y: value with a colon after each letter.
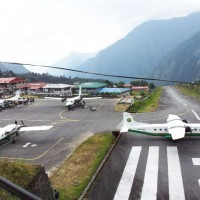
x: 175, y: 128
x: 16, y: 99
x: 12, y: 130
x: 74, y: 101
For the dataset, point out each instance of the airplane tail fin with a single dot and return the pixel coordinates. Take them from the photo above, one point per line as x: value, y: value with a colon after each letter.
x: 80, y: 91
x: 127, y: 122
x: 17, y: 94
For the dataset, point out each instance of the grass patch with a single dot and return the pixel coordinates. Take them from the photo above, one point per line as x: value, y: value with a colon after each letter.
x: 121, y: 107
x: 74, y: 175
x: 190, y: 90
x: 17, y: 172
x: 149, y: 104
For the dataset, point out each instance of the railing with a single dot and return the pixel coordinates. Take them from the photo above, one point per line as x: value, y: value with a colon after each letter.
x: 16, y: 190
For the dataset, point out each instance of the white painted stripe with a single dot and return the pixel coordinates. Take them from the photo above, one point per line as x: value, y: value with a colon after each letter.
x: 195, y: 114
x: 196, y: 161
x: 176, y: 189
x: 185, y: 104
x: 125, y: 184
x: 151, y: 175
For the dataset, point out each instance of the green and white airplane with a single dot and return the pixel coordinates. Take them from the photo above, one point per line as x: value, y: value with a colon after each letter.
x: 175, y: 128
x: 11, y: 131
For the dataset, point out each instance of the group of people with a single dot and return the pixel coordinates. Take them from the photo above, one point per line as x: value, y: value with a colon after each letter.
x: 31, y: 100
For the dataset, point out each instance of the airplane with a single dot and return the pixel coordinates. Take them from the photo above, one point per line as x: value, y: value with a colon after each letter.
x: 16, y: 99
x: 12, y: 130
x: 73, y: 102
x: 175, y: 128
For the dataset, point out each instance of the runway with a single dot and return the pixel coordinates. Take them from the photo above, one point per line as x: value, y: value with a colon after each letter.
x: 146, y: 167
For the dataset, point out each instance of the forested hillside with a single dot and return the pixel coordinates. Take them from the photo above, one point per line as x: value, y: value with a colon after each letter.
x: 182, y: 63
x: 47, y: 78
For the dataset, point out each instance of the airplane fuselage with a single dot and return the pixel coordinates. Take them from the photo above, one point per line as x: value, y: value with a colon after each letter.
x: 162, y: 129
x: 8, y: 131
x: 73, y: 102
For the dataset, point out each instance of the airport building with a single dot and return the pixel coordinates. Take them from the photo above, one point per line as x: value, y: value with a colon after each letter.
x: 89, y: 87
x: 115, y: 91
x: 8, y: 85
x: 31, y: 88
x: 140, y: 88
x: 58, y: 89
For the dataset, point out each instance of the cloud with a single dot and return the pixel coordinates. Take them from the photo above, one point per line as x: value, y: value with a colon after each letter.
x: 42, y: 32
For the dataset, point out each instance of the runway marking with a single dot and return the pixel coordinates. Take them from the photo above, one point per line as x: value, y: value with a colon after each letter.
x: 60, y: 114
x: 31, y: 159
x: 195, y: 114
x: 176, y: 189
x: 63, y: 118
x: 196, y: 161
x: 100, y: 106
x: 125, y: 184
x: 26, y: 144
x: 178, y: 98
x: 174, y: 94
x: 149, y: 190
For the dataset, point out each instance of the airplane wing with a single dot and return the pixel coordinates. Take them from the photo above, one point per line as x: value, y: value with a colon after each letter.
x: 56, y: 98
x: 176, y: 127
x: 35, y: 128
x: 88, y: 98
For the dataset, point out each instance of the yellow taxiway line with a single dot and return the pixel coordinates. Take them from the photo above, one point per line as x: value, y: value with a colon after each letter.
x: 30, y: 159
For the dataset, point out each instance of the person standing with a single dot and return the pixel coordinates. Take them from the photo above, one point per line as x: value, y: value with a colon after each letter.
x: 56, y: 194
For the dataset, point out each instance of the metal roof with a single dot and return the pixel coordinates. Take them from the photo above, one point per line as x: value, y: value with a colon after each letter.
x: 57, y: 86
x: 113, y: 90
x: 91, y: 85
x: 31, y: 86
x: 140, y: 88
x: 11, y: 80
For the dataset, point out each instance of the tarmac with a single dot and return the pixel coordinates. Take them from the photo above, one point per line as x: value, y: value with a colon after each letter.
x: 70, y: 128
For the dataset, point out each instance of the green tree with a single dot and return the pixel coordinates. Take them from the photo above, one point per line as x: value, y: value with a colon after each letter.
x: 120, y: 84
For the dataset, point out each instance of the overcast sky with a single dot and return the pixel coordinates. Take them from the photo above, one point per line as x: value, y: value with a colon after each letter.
x: 44, y: 31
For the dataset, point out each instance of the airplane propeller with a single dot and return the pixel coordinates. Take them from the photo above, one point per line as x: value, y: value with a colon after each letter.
x: 22, y: 123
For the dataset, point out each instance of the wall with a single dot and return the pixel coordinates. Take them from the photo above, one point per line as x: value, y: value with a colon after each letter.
x: 41, y: 185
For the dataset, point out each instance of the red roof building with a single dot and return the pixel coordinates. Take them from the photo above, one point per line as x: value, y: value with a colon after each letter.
x: 31, y: 87
x: 127, y: 85
x: 10, y: 84
x: 140, y: 88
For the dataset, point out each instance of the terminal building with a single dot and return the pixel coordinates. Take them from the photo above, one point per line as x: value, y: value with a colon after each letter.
x: 89, y: 87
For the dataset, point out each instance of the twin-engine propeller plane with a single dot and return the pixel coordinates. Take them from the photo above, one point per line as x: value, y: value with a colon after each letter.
x: 74, y: 101
x: 175, y: 128
x: 11, y: 131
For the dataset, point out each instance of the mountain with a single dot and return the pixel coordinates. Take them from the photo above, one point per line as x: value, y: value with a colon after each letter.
x: 74, y: 59
x: 20, y: 69
x: 182, y: 63
x: 141, y: 50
